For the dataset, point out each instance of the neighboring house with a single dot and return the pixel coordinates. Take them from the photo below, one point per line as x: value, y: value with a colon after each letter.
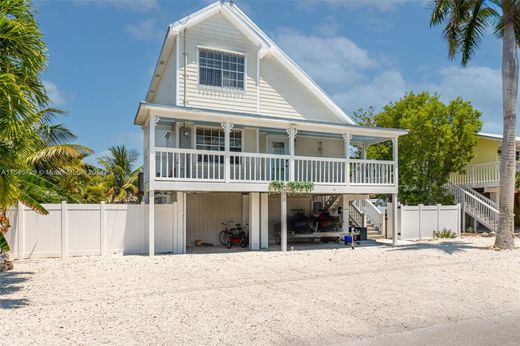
x: 227, y: 112
x: 478, y: 188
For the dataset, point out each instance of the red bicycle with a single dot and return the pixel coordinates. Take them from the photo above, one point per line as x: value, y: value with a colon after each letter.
x: 230, y: 236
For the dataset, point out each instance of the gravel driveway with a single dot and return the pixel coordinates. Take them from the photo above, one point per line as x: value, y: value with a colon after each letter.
x: 326, y: 296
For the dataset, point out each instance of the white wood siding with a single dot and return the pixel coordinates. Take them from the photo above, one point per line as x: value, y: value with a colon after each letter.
x: 217, y: 33
x: 282, y: 94
x: 165, y: 93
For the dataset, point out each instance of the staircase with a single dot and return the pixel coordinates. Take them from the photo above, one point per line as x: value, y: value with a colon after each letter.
x: 364, y: 213
x: 479, y: 207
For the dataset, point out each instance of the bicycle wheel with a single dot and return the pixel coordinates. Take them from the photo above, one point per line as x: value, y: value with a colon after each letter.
x: 222, y: 236
x: 229, y: 244
x: 244, y: 241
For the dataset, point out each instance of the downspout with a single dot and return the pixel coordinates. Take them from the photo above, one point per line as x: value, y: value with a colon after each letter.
x: 185, y: 74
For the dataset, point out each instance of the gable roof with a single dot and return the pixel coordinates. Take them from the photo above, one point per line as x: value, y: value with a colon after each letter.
x: 247, y: 27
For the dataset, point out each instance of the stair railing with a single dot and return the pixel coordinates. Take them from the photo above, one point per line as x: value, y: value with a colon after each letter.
x: 374, y: 215
x: 482, y: 209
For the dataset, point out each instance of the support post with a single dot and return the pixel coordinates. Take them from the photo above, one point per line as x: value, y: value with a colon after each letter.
x: 102, y: 229
x: 395, y: 156
x: 227, y: 161
x: 20, y: 230
x: 420, y: 220
x: 64, y: 231
x: 363, y: 151
x: 254, y: 221
x: 180, y: 220
x: 345, y: 212
x: 394, y: 219
x: 346, y: 140
x: 151, y: 223
x: 264, y: 220
x: 283, y: 218
x: 292, y: 135
x: 151, y: 148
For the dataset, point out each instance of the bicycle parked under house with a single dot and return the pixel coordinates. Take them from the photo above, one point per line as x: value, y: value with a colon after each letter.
x: 236, y: 235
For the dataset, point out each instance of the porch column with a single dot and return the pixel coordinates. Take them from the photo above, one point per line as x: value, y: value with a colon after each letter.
x: 394, y: 219
x: 227, y: 162
x: 363, y: 151
x: 264, y: 220
x: 179, y: 220
x: 151, y: 149
x: 254, y: 221
x: 151, y: 223
x: 395, y: 154
x: 346, y: 139
x: 151, y: 178
x: 345, y: 212
x: 283, y: 221
x: 292, y: 135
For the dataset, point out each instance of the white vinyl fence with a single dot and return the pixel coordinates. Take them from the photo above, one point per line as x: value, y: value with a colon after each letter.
x: 88, y: 229
x: 419, y: 222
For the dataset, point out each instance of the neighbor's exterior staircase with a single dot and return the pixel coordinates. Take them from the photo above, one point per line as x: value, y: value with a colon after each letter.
x: 479, y: 207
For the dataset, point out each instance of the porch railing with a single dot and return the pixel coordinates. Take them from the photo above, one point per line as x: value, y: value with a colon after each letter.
x: 204, y: 165
x: 480, y: 175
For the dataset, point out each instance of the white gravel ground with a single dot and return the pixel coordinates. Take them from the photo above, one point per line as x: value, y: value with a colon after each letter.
x: 325, y: 296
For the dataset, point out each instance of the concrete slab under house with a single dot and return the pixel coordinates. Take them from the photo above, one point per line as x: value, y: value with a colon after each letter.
x: 227, y: 113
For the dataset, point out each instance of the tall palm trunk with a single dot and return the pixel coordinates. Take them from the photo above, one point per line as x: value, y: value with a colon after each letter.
x: 504, y: 239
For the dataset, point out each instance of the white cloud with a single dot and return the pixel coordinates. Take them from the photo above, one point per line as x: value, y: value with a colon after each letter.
x: 145, y: 30
x: 332, y: 61
x: 357, y: 78
x: 134, y: 5
x: 55, y: 94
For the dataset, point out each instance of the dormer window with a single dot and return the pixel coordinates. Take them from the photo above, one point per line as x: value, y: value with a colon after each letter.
x: 221, y: 69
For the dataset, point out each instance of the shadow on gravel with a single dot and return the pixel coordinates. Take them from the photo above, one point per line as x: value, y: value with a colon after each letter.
x: 446, y: 247
x: 11, y: 282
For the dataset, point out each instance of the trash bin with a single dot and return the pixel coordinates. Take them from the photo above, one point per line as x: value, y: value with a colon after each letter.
x: 363, y: 233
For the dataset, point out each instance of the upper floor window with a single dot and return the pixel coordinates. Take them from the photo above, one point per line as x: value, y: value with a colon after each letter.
x: 221, y: 69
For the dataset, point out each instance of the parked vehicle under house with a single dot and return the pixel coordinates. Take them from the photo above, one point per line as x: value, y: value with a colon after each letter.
x: 228, y: 112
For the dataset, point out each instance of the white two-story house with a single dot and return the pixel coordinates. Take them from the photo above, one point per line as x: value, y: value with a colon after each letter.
x: 228, y: 112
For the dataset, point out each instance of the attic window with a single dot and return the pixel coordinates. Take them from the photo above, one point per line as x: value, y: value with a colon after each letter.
x: 221, y: 69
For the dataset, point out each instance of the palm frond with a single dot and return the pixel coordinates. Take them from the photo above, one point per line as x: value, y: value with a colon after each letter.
x: 4, y: 246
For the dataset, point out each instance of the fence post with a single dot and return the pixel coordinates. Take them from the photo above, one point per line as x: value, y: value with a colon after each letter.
x: 20, y: 229
x: 64, y: 229
x: 438, y: 217
x: 102, y: 228
x: 420, y: 221
x: 459, y: 219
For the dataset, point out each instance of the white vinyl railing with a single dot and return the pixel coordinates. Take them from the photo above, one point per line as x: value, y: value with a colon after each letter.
x: 366, y: 172
x: 480, y: 175
x: 373, y: 214
x: 320, y: 170
x: 188, y: 164
x: 255, y: 167
x: 357, y: 216
x: 477, y: 206
x: 206, y: 165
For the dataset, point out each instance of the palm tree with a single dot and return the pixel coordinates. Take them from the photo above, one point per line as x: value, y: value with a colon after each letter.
x: 121, y: 177
x: 466, y: 22
x: 28, y: 139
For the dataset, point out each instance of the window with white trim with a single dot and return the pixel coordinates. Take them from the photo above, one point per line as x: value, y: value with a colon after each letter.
x: 221, y: 69
x: 214, y: 139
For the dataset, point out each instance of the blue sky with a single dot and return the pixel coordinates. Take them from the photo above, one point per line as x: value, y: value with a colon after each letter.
x: 363, y: 53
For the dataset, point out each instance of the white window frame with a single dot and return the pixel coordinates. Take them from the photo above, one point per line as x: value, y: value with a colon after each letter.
x: 220, y: 129
x: 221, y: 88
